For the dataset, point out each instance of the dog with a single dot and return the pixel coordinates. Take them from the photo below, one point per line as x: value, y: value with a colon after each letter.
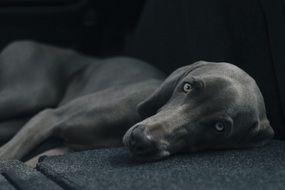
x: 93, y: 103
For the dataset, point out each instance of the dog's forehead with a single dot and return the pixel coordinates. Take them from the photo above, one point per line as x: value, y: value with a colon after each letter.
x: 223, y: 75
x: 219, y: 68
x: 228, y: 85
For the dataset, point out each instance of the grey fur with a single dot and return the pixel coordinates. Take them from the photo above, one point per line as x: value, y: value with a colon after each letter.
x: 92, y: 103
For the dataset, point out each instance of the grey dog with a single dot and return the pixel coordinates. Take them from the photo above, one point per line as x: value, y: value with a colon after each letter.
x: 92, y: 103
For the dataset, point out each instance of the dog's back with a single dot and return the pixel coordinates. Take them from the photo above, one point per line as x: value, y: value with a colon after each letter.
x: 62, y: 85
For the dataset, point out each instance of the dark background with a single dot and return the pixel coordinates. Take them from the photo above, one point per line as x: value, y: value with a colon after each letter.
x: 93, y: 27
x: 165, y: 33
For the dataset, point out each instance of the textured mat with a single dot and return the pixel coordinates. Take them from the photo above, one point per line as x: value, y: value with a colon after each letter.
x: 16, y: 175
x: 260, y: 168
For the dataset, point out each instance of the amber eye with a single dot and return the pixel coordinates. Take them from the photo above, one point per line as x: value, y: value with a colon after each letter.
x: 220, y: 126
x: 187, y: 87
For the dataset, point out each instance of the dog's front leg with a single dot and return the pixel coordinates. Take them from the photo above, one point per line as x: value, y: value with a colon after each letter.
x: 38, y: 129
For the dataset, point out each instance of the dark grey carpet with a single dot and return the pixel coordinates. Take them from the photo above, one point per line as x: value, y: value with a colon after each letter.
x: 16, y: 175
x: 260, y: 168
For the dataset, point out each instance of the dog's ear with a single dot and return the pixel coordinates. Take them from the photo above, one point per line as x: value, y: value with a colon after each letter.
x: 161, y: 95
x: 260, y: 134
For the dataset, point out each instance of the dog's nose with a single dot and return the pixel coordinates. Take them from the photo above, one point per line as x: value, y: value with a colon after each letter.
x: 140, y: 144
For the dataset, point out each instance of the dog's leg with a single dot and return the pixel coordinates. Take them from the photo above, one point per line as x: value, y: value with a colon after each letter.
x: 28, y: 100
x: 99, y: 119
x: 52, y: 152
x: 38, y: 129
x: 10, y: 127
x: 34, y: 77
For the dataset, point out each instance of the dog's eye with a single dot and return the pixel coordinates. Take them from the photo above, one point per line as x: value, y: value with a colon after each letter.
x: 187, y: 87
x: 220, y: 126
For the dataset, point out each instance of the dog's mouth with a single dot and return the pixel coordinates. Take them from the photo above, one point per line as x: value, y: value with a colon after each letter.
x: 143, y: 148
x: 148, y: 154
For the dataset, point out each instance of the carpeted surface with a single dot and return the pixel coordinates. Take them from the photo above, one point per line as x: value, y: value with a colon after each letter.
x: 260, y: 168
x: 16, y: 175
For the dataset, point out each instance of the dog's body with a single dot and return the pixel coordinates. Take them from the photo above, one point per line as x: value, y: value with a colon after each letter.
x: 91, y: 103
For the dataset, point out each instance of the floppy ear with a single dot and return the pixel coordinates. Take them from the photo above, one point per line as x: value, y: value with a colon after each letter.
x: 260, y: 134
x: 161, y: 95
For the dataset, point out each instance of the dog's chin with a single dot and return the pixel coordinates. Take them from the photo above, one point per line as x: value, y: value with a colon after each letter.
x: 161, y: 153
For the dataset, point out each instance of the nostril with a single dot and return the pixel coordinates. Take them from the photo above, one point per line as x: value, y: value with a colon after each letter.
x: 140, y: 149
x: 139, y: 143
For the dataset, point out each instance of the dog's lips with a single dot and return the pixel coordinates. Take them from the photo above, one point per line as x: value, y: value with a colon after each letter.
x: 161, y: 151
x: 158, y: 154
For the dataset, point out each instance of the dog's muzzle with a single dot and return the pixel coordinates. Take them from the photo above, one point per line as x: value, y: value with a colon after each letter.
x: 142, y: 145
x: 139, y: 143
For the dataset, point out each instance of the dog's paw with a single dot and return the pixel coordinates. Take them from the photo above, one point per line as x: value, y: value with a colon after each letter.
x: 5, y: 153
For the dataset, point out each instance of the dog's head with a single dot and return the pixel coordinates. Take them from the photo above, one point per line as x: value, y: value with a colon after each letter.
x: 200, y: 106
